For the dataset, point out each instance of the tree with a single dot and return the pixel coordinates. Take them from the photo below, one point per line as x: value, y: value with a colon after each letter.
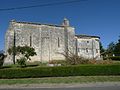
x: 110, y: 49
x: 2, y: 57
x: 74, y: 59
x: 102, y: 51
x: 24, y: 52
x: 117, y: 48
x: 101, y: 48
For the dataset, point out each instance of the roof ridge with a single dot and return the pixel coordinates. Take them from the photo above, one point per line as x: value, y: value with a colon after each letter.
x: 37, y: 23
x: 84, y: 35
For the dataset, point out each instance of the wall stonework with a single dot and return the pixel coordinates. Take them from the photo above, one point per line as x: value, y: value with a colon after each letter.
x: 48, y: 40
x: 88, y: 46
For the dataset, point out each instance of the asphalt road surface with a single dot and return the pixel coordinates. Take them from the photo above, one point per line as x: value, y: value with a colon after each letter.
x: 72, y: 88
x: 88, y: 86
x: 82, y: 88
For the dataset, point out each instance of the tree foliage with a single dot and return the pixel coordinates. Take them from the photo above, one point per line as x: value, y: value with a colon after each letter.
x: 117, y: 48
x: 22, y: 61
x: 110, y: 49
x: 2, y: 57
x: 114, y: 48
x: 25, y: 51
x: 101, y: 48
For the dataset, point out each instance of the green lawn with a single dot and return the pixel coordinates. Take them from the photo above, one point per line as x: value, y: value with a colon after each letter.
x: 60, y: 80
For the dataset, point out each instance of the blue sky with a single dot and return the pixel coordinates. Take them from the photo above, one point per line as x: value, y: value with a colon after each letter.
x: 92, y: 17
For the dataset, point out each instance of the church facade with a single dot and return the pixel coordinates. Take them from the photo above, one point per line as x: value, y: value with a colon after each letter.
x: 50, y: 41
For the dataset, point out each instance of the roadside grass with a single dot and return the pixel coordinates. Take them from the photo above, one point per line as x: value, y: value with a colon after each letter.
x: 116, y: 62
x: 61, y: 80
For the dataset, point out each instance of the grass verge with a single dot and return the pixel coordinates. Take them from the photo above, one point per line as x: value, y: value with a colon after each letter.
x: 61, y: 80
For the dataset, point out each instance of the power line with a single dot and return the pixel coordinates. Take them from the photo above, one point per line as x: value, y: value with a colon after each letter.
x: 41, y: 5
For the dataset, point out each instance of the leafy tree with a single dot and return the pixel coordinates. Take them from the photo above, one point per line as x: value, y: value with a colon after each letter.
x: 110, y: 49
x: 2, y: 57
x: 102, y: 51
x: 25, y: 51
x: 101, y: 48
x: 117, y: 48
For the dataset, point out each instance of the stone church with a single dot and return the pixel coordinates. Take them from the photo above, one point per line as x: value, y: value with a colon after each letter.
x: 50, y: 40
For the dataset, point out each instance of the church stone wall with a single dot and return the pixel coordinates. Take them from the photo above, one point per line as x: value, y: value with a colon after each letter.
x: 50, y: 41
x: 71, y: 40
x: 88, y: 47
x: 47, y: 40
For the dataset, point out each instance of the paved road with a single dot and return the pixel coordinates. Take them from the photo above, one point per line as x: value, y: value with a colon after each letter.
x: 89, y: 86
x: 78, y: 88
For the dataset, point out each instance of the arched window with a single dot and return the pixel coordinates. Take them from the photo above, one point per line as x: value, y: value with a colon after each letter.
x: 87, y: 50
x: 58, y: 42
x: 30, y: 40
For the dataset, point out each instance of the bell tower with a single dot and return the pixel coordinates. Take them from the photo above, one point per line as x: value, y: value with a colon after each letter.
x: 66, y: 22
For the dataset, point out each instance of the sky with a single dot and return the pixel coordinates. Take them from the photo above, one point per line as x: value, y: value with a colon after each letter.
x: 92, y: 17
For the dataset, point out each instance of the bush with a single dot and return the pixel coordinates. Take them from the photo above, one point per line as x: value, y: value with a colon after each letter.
x: 73, y: 59
x: 1, y: 62
x: 100, y: 62
x: 76, y: 60
x: 116, y: 58
x: 83, y: 70
x: 62, y: 62
x: 2, y: 56
x: 22, y: 61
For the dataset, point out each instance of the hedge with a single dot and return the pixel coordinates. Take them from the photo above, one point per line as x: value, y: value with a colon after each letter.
x: 116, y: 58
x: 36, y: 72
x: 2, y: 56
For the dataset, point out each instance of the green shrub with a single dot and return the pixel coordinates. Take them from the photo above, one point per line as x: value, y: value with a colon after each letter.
x: 117, y: 58
x: 83, y: 70
x: 2, y: 56
x: 22, y: 61
x: 1, y: 63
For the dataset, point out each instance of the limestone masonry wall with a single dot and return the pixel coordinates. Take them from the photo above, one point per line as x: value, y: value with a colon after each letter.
x: 49, y: 41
